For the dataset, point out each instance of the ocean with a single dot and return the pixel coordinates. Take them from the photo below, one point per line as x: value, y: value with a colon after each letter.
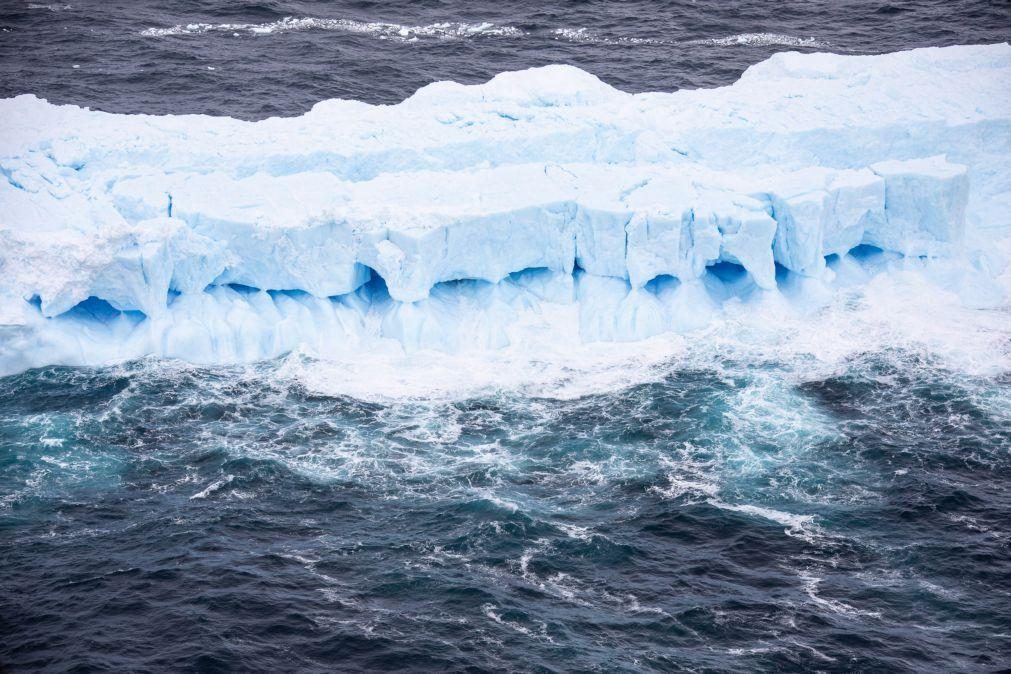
x: 765, y: 494
x: 258, y: 59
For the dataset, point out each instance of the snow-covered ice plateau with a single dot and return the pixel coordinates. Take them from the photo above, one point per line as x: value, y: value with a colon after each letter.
x: 470, y: 217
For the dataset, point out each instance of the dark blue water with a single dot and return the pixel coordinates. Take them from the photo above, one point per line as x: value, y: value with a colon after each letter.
x: 726, y: 516
x: 263, y: 66
x: 161, y: 516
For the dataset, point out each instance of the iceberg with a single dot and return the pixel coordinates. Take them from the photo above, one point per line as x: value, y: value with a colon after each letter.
x: 444, y: 221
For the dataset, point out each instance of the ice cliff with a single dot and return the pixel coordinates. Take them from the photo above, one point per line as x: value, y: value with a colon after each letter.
x: 444, y: 220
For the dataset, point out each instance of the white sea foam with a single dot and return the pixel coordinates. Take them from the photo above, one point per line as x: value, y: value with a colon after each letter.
x: 900, y: 311
x: 386, y: 373
x: 380, y: 29
x: 213, y: 487
x: 760, y: 40
x: 455, y: 30
x: 540, y: 633
x: 793, y: 523
x: 810, y: 585
x: 587, y: 35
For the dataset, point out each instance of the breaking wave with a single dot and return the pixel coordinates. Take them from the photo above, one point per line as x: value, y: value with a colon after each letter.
x: 761, y: 40
x: 451, y: 30
x: 379, y: 29
x: 740, y: 39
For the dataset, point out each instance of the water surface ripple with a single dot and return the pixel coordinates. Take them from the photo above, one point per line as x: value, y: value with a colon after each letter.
x: 157, y: 515
x: 256, y: 59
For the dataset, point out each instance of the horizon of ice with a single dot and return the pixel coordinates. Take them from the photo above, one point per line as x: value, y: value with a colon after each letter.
x: 542, y: 200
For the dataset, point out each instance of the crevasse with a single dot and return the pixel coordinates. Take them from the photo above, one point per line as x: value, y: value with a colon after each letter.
x: 445, y: 220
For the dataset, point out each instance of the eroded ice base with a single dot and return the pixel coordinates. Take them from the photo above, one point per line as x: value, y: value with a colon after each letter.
x: 547, y: 325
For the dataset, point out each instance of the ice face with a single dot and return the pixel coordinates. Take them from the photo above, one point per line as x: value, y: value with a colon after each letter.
x: 441, y: 222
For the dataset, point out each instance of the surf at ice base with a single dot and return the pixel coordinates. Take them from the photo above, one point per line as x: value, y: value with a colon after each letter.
x: 468, y: 216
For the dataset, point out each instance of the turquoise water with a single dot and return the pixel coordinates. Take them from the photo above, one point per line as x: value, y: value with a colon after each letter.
x: 163, y: 515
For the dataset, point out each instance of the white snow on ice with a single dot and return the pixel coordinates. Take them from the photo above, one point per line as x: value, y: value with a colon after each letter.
x: 537, y: 227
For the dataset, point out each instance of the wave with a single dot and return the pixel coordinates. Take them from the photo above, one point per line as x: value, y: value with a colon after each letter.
x: 380, y: 29
x: 451, y: 30
x: 55, y: 7
x: 760, y: 40
x: 586, y: 35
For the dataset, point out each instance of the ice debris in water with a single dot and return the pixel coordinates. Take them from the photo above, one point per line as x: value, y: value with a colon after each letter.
x: 449, y: 219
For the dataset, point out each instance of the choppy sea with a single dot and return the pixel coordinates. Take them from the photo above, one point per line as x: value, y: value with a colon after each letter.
x: 257, y: 58
x: 832, y: 496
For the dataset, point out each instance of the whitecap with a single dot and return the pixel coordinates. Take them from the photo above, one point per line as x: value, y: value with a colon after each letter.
x: 383, y: 30
x: 810, y: 585
x: 760, y: 40
x: 586, y: 35
x: 492, y: 612
x: 793, y: 523
x: 213, y: 487
x: 54, y: 7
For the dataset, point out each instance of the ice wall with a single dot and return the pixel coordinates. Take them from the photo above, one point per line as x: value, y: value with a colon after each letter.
x: 441, y: 221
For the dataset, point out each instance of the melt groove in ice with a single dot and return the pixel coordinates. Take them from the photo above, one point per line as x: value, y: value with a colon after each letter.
x: 436, y: 222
